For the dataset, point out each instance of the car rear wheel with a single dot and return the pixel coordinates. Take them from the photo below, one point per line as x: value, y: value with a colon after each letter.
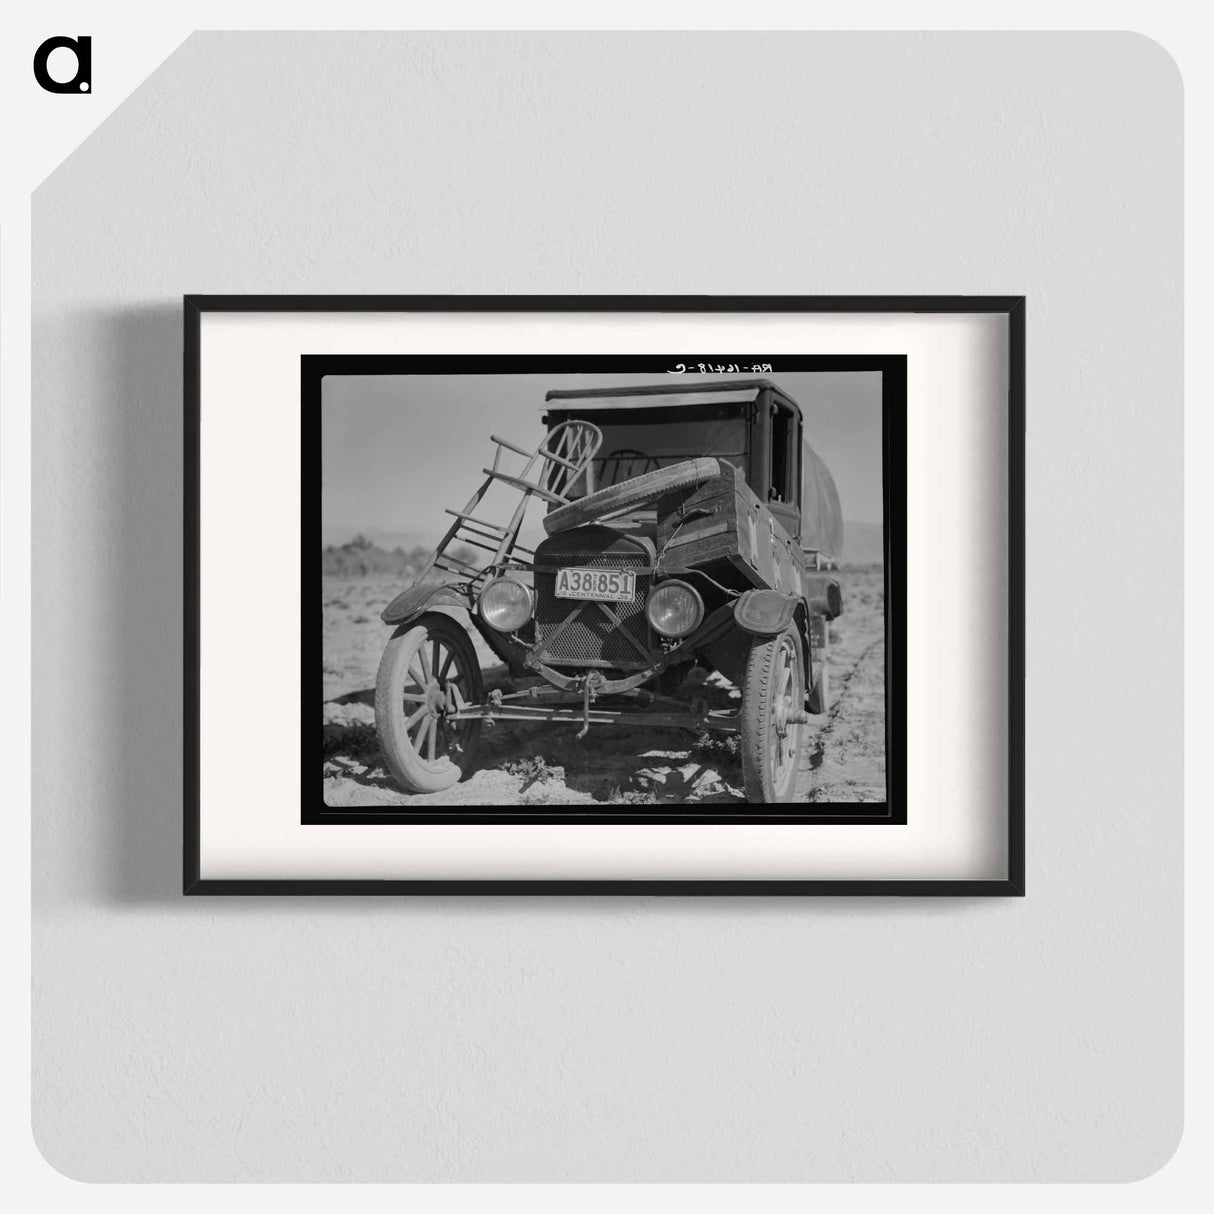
x: 429, y: 671
x: 819, y: 694
x: 773, y: 741
x: 818, y: 701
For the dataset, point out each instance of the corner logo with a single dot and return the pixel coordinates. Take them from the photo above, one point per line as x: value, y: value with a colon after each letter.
x: 82, y: 48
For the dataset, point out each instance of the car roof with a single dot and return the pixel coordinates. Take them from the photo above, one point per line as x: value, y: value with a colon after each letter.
x: 665, y: 396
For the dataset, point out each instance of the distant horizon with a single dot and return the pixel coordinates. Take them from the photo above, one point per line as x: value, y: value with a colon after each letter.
x: 336, y: 536
x: 866, y: 546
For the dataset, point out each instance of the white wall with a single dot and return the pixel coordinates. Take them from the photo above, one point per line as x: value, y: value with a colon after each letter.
x: 626, y: 1039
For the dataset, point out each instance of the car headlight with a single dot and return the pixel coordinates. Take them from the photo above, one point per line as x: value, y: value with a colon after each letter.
x: 674, y: 609
x: 505, y: 604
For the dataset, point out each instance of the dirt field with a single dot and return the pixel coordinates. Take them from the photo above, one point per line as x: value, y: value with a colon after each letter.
x: 544, y: 764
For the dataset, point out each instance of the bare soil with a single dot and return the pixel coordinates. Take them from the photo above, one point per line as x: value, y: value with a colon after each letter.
x: 537, y: 764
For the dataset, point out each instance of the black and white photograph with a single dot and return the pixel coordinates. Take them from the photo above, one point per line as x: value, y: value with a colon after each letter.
x: 657, y: 587
x: 606, y: 594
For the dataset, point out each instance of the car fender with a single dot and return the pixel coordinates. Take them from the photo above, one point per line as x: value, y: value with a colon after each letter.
x: 413, y: 603
x: 764, y: 612
x: 417, y: 600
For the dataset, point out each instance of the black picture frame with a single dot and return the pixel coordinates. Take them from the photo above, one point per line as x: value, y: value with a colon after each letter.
x: 1012, y: 307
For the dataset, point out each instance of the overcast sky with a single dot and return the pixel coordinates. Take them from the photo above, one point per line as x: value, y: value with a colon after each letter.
x: 397, y: 449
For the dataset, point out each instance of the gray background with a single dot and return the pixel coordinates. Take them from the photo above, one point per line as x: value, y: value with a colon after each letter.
x: 633, y: 1039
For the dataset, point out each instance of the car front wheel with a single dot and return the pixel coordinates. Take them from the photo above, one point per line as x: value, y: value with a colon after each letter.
x: 428, y: 672
x: 773, y: 738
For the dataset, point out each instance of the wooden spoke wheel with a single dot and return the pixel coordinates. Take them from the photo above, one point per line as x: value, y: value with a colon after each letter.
x: 773, y: 733
x: 428, y: 672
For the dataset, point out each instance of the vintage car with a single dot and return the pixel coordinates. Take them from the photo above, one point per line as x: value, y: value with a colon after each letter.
x: 686, y: 525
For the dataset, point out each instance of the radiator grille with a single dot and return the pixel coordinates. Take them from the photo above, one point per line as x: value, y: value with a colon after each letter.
x: 591, y: 636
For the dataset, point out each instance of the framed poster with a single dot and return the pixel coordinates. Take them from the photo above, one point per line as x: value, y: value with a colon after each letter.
x: 614, y: 594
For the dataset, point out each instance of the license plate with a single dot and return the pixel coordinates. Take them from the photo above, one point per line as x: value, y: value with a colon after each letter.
x: 602, y: 585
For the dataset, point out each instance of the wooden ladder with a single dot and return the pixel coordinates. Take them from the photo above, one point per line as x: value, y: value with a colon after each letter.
x: 550, y: 471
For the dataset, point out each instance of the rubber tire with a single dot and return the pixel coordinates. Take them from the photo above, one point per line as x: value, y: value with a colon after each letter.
x: 818, y: 700
x: 634, y: 492
x: 757, y: 725
x: 413, y: 773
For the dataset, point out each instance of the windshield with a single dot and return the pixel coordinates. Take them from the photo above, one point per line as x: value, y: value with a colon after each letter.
x: 636, y: 441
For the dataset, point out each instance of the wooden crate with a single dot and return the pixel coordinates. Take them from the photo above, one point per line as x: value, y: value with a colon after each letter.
x: 722, y: 522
